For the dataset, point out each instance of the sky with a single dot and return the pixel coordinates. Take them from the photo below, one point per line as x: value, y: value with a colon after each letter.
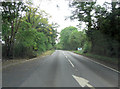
x: 59, y: 10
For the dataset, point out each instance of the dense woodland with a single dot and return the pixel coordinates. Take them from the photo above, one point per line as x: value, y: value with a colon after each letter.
x: 26, y: 31
x: 102, y: 33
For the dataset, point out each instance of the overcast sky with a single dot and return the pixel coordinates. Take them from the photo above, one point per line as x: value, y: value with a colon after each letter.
x: 59, y: 9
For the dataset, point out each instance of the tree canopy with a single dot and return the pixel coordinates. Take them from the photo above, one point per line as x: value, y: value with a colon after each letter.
x: 26, y: 30
x: 102, y: 28
x: 71, y: 38
x: 102, y: 25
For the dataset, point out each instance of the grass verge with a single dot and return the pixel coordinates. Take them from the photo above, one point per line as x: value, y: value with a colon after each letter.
x: 111, y: 62
x: 49, y: 52
x: 17, y: 61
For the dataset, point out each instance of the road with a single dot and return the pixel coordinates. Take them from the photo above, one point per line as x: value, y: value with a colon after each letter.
x: 61, y: 69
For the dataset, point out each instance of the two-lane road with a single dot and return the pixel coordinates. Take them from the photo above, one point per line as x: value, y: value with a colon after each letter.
x: 61, y: 69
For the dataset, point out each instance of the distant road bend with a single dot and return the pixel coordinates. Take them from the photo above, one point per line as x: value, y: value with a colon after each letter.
x: 61, y: 69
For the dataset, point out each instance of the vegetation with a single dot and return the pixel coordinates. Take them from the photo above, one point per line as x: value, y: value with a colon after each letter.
x: 102, y: 26
x: 26, y: 30
x: 71, y: 39
x: 102, y: 58
x: 102, y: 31
x: 21, y: 60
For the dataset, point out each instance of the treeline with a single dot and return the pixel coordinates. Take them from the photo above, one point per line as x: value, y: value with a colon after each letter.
x: 102, y: 31
x: 26, y: 30
x: 71, y: 39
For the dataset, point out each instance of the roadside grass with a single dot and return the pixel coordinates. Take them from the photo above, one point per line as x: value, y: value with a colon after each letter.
x: 101, y: 58
x: 49, y: 52
x: 20, y: 60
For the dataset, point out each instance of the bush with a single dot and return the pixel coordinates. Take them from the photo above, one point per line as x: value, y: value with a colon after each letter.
x: 104, y: 45
x: 86, y: 47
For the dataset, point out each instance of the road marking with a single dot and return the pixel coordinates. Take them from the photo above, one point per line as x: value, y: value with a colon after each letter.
x: 90, y: 86
x: 100, y: 64
x: 104, y: 65
x: 82, y: 82
x: 71, y: 63
x: 69, y: 60
x: 66, y: 56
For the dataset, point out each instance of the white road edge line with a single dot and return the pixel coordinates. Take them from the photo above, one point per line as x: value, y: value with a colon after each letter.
x: 71, y: 63
x: 101, y: 64
x: 104, y: 65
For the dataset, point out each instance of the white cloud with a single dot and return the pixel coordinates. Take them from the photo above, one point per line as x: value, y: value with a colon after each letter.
x: 58, y: 9
x: 58, y: 13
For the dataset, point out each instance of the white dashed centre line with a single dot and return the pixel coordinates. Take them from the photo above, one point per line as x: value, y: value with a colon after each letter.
x: 69, y: 60
x: 66, y: 57
x: 71, y: 63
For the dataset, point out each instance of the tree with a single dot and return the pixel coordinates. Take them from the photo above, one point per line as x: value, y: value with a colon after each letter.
x: 29, y: 34
x: 83, y: 12
x: 41, y: 35
x: 71, y: 39
x: 102, y: 26
x: 64, y: 36
x: 77, y: 39
x: 11, y: 17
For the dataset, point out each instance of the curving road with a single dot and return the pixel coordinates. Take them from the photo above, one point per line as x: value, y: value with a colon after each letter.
x: 61, y: 69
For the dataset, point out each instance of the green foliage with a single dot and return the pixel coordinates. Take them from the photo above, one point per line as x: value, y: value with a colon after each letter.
x: 83, y: 11
x: 102, y: 27
x: 71, y: 39
x: 77, y: 39
x: 29, y: 34
x: 86, y: 47
x: 26, y: 37
x: 65, y: 34
x: 99, y: 57
x: 11, y: 17
x: 59, y: 46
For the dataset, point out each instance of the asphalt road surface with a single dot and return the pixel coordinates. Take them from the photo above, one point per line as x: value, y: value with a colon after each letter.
x: 61, y: 69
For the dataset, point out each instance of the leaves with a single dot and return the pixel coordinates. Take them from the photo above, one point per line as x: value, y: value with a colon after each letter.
x: 28, y: 34
x: 102, y: 26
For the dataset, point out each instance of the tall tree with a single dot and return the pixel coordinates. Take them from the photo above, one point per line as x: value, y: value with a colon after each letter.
x: 11, y: 17
x: 77, y: 39
x: 65, y: 34
x: 83, y: 11
x: 103, y: 25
